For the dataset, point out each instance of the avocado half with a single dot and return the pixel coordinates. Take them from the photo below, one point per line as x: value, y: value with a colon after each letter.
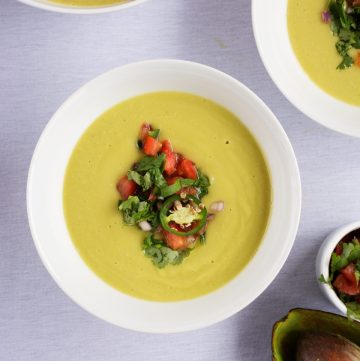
x: 291, y: 328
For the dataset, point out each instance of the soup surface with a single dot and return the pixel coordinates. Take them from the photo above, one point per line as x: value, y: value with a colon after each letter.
x: 219, y: 144
x: 88, y: 2
x: 314, y: 46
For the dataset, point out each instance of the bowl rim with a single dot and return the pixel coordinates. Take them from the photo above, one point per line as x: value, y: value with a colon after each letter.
x: 291, y: 231
x: 338, y: 107
x: 59, y: 8
x: 323, y: 261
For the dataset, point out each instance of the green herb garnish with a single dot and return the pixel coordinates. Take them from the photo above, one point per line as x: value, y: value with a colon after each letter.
x: 169, y: 190
x: 345, y: 25
x: 144, y: 181
x: 160, y: 254
x: 135, y: 211
x: 353, y: 310
x: 203, y: 184
x: 322, y: 279
x: 349, y: 257
x: 162, y: 194
x: 154, y: 133
x: 147, y: 163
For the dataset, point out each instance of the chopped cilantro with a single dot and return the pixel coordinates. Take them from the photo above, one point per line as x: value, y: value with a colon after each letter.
x: 148, y: 163
x: 345, y: 25
x: 347, y: 62
x: 160, y: 254
x: 323, y: 280
x: 202, y: 238
x: 171, y: 189
x: 157, y: 177
x: 144, y: 181
x: 154, y: 133
x: 135, y: 211
x: 202, y: 183
x: 353, y: 310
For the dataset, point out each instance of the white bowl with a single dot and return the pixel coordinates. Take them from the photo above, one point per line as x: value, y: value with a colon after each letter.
x: 269, y: 20
x: 45, y: 185
x: 323, y: 261
x: 48, y: 5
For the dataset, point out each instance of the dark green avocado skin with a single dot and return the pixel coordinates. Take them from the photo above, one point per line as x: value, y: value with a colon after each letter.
x: 287, y: 331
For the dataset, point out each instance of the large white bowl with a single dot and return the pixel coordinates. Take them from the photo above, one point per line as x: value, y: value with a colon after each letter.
x: 48, y: 5
x: 45, y: 186
x: 269, y: 20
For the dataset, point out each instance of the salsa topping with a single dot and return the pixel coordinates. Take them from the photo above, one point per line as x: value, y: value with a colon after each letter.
x: 162, y: 194
x: 344, y: 19
x: 344, y: 273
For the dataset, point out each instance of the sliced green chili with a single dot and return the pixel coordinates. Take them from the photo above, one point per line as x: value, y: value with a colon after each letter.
x: 165, y: 218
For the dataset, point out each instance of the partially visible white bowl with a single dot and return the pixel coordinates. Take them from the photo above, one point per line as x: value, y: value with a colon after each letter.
x: 269, y: 20
x: 51, y: 6
x: 45, y: 186
x: 323, y: 261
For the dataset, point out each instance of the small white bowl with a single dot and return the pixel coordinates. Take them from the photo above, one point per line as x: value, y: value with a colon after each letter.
x: 48, y: 5
x: 269, y: 19
x: 45, y: 186
x: 323, y: 261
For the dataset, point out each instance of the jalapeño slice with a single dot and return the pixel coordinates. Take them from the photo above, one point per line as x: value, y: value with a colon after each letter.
x: 165, y: 218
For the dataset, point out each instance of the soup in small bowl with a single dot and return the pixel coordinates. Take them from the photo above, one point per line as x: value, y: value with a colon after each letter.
x: 312, y: 57
x: 163, y: 196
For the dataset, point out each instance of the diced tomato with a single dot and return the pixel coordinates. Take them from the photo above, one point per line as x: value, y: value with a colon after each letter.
x: 151, y: 146
x: 349, y: 273
x: 187, y: 169
x: 357, y: 60
x: 174, y: 241
x: 144, y: 131
x: 166, y: 146
x: 171, y: 157
x: 126, y: 187
x: 343, y: 285
x: 346, y: 281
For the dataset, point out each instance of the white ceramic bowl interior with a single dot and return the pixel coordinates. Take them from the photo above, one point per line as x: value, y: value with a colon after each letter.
x: 45, y: 185
x: 281, y: 63
x: 323, y: 260
x: 51, y: 6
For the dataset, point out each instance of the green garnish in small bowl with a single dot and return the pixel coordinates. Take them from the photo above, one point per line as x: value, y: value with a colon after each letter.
x: 342, y: 276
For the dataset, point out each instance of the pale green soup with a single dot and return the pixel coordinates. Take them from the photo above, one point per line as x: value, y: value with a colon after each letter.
x: 314, y: 46
x: 219, y: 144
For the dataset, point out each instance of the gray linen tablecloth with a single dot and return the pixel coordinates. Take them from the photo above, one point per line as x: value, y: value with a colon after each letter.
x: 44, y: 57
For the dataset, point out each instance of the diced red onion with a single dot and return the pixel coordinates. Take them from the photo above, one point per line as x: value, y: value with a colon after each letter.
x: 325, y: 16
x: 145, y: 226
x: 210, y: 217
x: 190, y: 240
x: 217, y: 206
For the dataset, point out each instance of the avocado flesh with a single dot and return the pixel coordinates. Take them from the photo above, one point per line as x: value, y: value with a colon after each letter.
x: 289, y: 330
x: 326, y: 347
